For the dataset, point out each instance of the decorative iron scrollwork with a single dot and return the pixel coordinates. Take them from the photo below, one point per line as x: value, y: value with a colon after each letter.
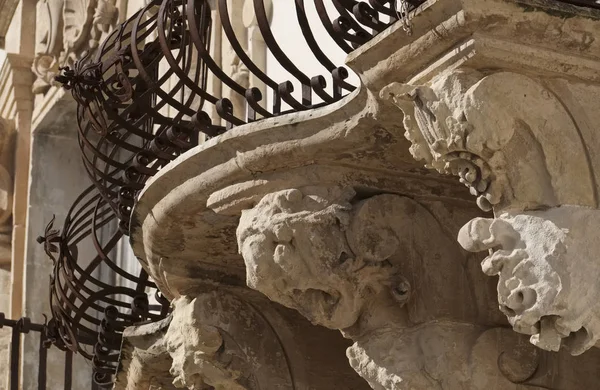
x: 89, y: 312
x: 144, y: 98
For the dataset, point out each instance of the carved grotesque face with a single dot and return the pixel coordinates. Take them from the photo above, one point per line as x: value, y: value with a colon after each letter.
x: 548, y: 284
x: 297, y: 254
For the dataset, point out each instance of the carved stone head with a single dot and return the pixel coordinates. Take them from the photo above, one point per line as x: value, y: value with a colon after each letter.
x: 548, y: 280
x: 297, y: 253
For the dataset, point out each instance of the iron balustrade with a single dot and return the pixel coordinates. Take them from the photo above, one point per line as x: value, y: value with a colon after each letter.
x: 135, y: 116
x: 48, y: 337
x: 90, y: 312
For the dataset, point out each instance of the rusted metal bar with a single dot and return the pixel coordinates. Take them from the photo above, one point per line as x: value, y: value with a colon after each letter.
x: 68, y: 370
x: 15, y: 347
x: 23, y: 325
x: 43, y: 355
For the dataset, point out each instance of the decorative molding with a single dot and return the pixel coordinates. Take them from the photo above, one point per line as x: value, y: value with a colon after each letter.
x: 548, y: 272
x: 194, y: 347
x: 67, y: 29
x: 481, y: 127
x: 48, y: 43
x: 213, y: 340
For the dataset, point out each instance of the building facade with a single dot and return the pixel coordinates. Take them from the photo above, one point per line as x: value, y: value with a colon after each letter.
x: 301, y: 195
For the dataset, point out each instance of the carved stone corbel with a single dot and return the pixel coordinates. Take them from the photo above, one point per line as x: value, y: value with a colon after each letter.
x: 194, y: 348
x: 48, y: 43
x: 211, y: 341
x: 484, y: 127
x: 384, y: 272
x: 515, y: 142
x: 548, y: 272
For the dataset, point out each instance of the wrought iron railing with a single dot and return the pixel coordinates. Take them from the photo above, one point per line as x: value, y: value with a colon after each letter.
x: 89, y: 310
x: 48, y: 335
x: 135, y: 114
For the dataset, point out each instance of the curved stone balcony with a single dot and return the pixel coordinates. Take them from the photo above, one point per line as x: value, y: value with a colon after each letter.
x: 349, y: 214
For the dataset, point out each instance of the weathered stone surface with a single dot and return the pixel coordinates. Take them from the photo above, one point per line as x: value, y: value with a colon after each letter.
x: 547, y: 271
x: 145, y: 362
x: 473, y: 125
x: 65, y: 29
x: 367, y: 268
x: 219, y: 340
x: 502, y: 113
x: 8, y: 9
x: 210, y: 348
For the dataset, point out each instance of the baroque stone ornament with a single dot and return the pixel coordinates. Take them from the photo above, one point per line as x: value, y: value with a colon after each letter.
x: 548, y: 272
x: 304, y: 236
x: 472, y: 124
x: 213, y: 340
x: 65, y: 30
x: 48, y: 43
x: 367, y: 268
x: 193, y: 346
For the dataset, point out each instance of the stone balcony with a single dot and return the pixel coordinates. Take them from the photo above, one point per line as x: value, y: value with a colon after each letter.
x: 473, y: 128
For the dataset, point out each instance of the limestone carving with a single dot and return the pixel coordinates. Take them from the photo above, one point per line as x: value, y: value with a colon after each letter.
x: 369, y: 268
x: 548, y: 271
x: 481, y: 126
x: 216, y: 340
x: 193, y: 346
x: 65, y: 30
x: 289, y: 234
x: 49, y: 31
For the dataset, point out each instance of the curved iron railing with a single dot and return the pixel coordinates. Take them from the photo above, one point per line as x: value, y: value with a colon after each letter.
x: 89, y: 310
x: 144, y: 98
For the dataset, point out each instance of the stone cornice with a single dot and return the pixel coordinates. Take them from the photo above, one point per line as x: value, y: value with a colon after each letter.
x: 16, y: 79
x: 339, y: 143
x: 443, y: 29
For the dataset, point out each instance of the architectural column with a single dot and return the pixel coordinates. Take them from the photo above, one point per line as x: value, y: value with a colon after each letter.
x: 512, y: 114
